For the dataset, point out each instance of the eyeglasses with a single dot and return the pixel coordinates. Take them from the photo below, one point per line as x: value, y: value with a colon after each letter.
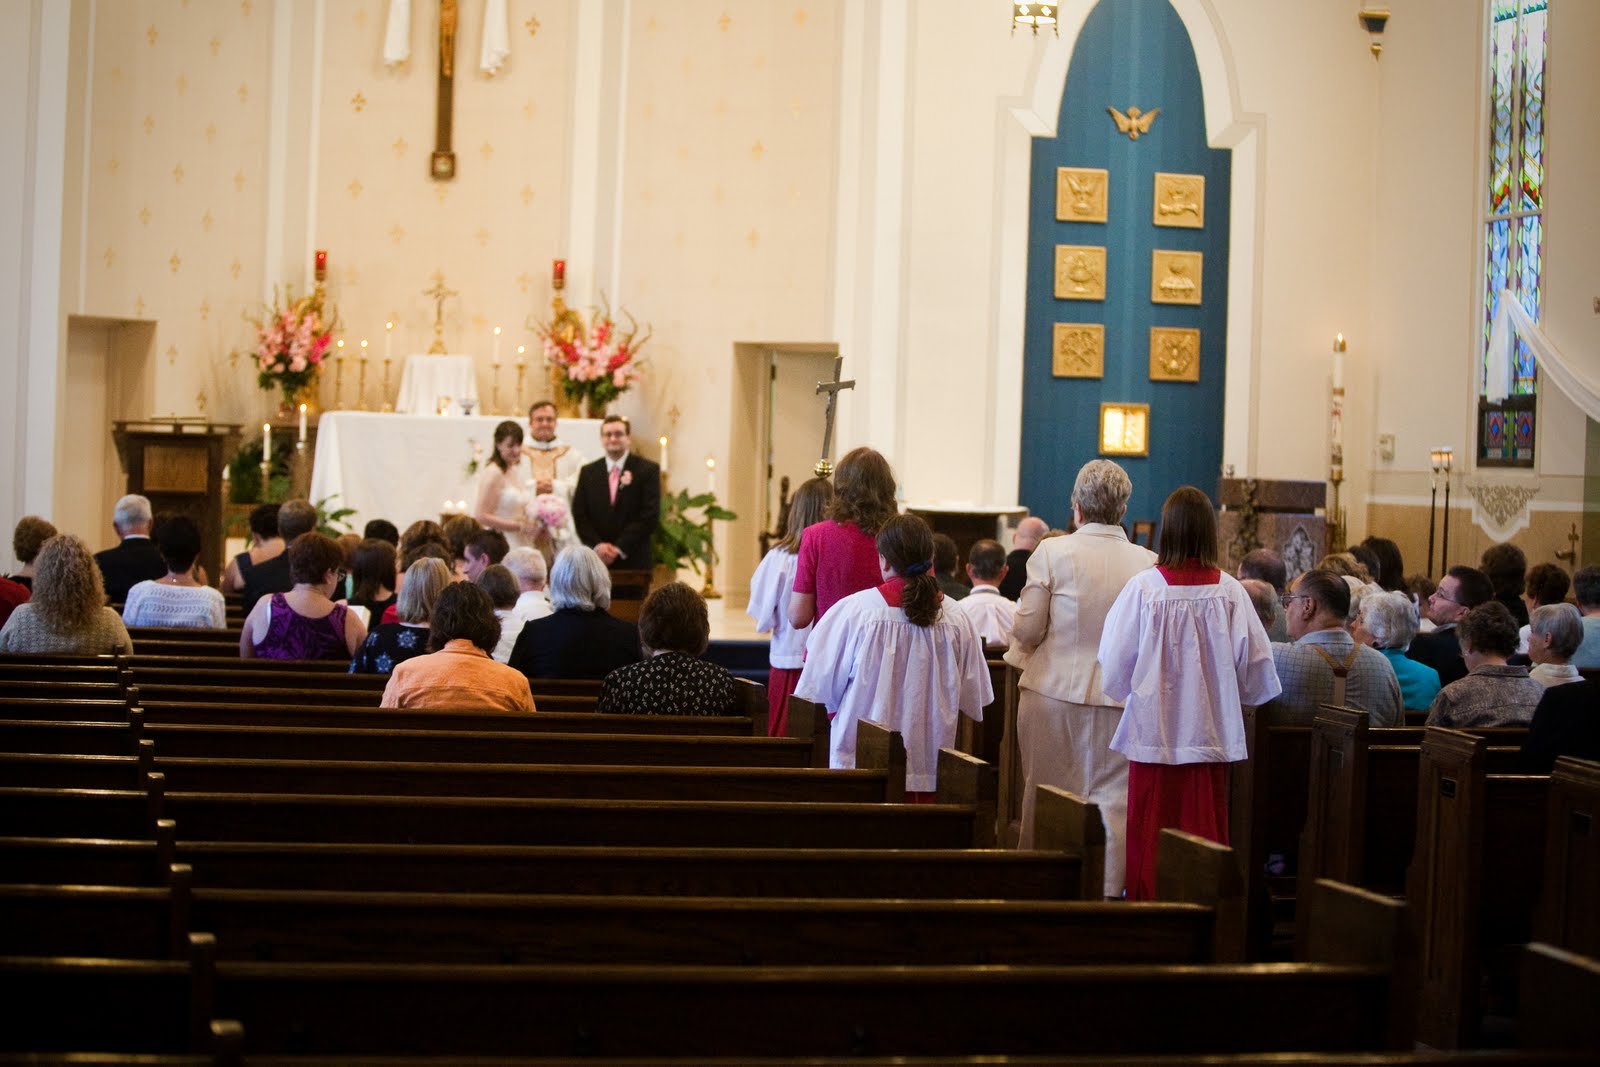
x: 1287, y: 597
x: 1437, y: 595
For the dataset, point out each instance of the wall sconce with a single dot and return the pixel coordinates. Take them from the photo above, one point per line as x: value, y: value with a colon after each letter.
x: 1033, y: 16
x: 1124, y: 429
x: 1375, y: 19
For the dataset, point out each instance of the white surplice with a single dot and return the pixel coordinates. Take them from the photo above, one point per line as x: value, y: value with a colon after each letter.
x: 866, y: 661
x: 991, y: 613
x: 1184, y: 659
x: 770, y: 589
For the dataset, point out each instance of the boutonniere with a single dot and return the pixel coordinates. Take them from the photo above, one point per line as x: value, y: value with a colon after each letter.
x: 626, y: 479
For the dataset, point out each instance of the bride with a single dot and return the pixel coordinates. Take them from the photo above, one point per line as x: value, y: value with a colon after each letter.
x: 502, y: 496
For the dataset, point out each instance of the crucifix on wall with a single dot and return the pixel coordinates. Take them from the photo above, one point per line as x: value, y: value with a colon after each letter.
x: 442, y: 165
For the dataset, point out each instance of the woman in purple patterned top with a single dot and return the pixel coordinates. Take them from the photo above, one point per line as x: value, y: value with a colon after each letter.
x: 305, y: 623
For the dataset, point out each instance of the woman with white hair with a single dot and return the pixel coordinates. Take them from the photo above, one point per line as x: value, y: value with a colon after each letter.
x: 1554, y: 633
x: 581, y: 638
x: 1065, y: 720
x: 1388, y: 622
x: 67, y: 614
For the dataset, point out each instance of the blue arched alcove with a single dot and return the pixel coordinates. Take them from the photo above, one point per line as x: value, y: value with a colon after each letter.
x: 1129, y: 53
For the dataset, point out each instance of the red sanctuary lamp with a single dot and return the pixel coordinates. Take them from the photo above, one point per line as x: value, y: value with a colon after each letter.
x: 320, y: 269
x: 558, y: 274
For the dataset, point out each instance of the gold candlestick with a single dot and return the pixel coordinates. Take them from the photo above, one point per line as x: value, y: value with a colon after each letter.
x: 386, y: 406
x: 361, y: 386
x: 494, y: 401
x: 709, y: 590
x: 517, y: 399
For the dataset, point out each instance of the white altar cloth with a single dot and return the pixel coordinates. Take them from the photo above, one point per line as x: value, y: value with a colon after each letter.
x: 403, y: 467
x: 427, y: 378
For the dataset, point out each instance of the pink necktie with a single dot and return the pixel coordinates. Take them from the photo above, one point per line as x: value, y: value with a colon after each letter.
x: 615, y: 476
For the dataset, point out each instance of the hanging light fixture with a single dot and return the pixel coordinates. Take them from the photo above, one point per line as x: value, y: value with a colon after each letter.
x: 1033, y: 16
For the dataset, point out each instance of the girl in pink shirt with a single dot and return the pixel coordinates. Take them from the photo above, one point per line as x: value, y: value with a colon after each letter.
x: 840, y: 555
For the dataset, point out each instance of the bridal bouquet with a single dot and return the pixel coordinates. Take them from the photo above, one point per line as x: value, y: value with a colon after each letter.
x: 291, y: 341
x: 549, y: 510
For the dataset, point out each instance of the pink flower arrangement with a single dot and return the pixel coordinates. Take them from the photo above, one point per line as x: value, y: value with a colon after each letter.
x: 594, y: 361
x: 292, y: 340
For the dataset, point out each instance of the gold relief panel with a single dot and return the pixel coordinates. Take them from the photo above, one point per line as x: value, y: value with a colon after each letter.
x: 1124, y: 429
x: 1078, y: 350
x: 1080, y: 272
x: 1174, y: 354
x: 1180, y: 200
x: 1081, y: 194
x: 1175, y: 277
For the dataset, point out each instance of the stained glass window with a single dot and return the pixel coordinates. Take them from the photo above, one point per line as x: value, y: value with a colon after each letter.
x: 1514, y: 212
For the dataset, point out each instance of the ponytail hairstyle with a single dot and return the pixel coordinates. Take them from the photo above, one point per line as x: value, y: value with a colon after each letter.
x: 906, y: 544
x: 807, y: 507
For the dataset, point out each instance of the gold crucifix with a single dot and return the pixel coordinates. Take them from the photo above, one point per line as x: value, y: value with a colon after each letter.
x: 438, y: 294
x: 442, y: 165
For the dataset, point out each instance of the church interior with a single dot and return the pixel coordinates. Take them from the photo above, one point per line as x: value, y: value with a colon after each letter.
x: 1254, y: 246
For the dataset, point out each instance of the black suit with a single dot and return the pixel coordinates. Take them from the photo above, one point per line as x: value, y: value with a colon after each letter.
x: 1016, y: 573
x: 631, y: 522
x: 1440, y: 650
x: 575, y: 644
x: 1566, y: 723
x: 133, y: 561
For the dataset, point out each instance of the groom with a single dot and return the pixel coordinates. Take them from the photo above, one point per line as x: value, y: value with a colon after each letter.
x: 617, y: 505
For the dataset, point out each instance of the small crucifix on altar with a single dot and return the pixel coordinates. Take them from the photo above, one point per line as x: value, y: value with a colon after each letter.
x: 824, y: 466
x: 438, y: 294
x: 442, y: 164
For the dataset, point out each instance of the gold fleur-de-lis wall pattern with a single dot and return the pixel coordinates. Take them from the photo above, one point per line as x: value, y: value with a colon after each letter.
x: 726, y: 161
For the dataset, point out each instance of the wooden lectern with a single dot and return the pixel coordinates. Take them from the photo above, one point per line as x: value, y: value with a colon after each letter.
x: 178, y: 463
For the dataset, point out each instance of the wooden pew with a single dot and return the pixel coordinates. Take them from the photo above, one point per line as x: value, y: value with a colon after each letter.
x: 1568, y: 917
x: 1266, y: 810
x: 1474, y: 877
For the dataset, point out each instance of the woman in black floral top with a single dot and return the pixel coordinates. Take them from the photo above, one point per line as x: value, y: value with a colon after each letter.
x: 395, y: 642
x: 674, y: 629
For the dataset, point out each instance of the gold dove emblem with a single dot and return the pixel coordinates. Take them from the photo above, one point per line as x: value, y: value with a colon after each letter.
x: 1135, y: 121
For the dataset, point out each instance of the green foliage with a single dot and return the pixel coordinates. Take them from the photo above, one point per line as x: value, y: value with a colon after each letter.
x: 330, y: 520
x: 244, y: 472
x: 684, y: 538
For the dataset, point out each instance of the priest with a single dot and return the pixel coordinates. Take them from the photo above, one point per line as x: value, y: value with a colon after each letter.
x: 553, y: 467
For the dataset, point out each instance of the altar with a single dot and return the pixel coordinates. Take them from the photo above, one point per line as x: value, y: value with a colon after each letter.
x: 404, y: 467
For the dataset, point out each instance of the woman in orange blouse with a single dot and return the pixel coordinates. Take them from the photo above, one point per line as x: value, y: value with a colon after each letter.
x: 459, y: 675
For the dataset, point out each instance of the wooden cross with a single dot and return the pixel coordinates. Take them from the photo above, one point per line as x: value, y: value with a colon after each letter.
x: 442, y: 165
x: 824, y: 465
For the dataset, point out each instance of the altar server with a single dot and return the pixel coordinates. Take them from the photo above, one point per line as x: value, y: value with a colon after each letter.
x: 1183, y: 649
x: 895, y: 656
x: 770, y: 589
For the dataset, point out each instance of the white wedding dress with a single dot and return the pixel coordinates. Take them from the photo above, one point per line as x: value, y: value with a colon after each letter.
x: 513, y: 501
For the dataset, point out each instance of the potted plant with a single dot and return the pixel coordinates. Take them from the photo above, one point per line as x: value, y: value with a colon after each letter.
x: 684, y: 533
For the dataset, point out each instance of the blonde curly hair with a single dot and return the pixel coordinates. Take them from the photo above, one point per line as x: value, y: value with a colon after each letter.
x: 68, y: 591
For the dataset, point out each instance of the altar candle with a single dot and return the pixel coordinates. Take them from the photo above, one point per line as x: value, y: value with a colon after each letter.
x: 302, y: 424
x: 266, y: 443
x: 558, y: 273
x: 520, y: 350
x: 663, y: 454
x: 388, y: 340
x: 1338, y: 361
x: 363, y: 348
x: 495, y: 358
x: 340, y: 349
x: 711, y: 475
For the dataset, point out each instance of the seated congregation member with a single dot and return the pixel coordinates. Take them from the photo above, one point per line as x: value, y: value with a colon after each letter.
x: 1420, y: 588
x: 528, y: 568
x: 1323, y: 651
x: 295, y: 517
x: 837, y: 556
x: 134, y: 559
x: 458, y: 530
x: 896, y: 656
x: 419, y: 533
x: 1065, y: 720
x: 1265, y: 565
x: 26, y: 541
x: 381, y: 530
x: 372, y: 574
x: 67, y: 614
x: 305, y: 622
x: 1264, y: 599
x: 1388, y: 622
x: 1492, y: 693
x: 991, y: 613
x: 1586, y: 590
x: 1459, y: 591
x: 1566, y: 723
x: 394, y: 642
x: 425, y: 550
x: 1546, y: 584
x: 1024, y: 540
x: 502, y: 589
x: 1555, y: 632
x: 1391, y: 572
x: 581, y: 638
x: 483, y: 550
x: 1185, y: 651
x: 771, y: 588
x: 1506, y: 567
x: 265, y: 544
x: 945, y: 558
x: 674, y: 628
x: 457, y: 673
x: 12, y: 596
x: 176, y: 599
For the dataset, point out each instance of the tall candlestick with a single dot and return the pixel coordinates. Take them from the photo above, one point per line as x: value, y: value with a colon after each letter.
x: 361, y: 384
x: 663, y: 453
x: 321, y: 264
x: 388, y: 340
x: 711, y: 475
x: 495, y: 357
x: 302, y: 424
x: 266, y: 443
x: 1338, y: 361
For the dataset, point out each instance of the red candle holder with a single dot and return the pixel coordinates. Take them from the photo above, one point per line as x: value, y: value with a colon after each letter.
x: 558, y: 274
x: 321, y: 264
